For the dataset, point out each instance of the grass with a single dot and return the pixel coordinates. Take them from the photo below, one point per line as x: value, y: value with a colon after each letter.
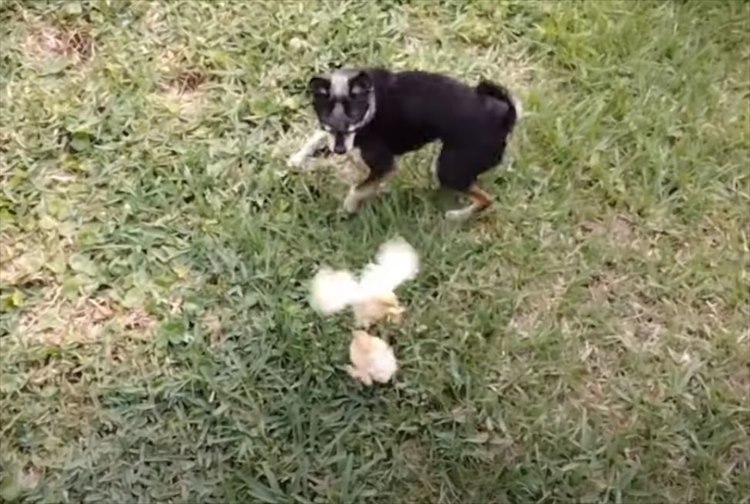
x: 586, y: 342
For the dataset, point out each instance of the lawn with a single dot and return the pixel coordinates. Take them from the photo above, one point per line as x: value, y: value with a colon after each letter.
x: 586, y: 341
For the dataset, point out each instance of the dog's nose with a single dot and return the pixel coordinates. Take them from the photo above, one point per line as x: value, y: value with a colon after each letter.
x: 339, y: 148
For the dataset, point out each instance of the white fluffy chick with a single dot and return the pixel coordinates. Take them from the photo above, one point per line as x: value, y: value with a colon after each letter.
x: 372, y: 359
x: 333, y: 291
x: 372, y: 297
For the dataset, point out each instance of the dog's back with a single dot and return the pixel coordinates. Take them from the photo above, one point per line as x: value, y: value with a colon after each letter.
x: 414, y: 108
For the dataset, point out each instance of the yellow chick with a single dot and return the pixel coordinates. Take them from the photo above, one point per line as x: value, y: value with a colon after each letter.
x: 372, y: 359
x: 372, y: 310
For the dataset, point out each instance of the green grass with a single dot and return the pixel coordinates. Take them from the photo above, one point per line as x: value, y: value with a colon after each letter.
x: 587, y: 341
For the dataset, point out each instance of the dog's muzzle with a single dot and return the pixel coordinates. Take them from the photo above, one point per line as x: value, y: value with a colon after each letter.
x: 339, y: 143
x: 342, y: 142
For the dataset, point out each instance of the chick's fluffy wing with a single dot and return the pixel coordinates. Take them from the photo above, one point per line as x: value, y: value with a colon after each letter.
x: 395, y: 263
x: 332, y: 291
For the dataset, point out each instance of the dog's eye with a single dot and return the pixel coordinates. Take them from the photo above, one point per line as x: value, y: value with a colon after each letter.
x: 357, y: 91
x: 321, y: 91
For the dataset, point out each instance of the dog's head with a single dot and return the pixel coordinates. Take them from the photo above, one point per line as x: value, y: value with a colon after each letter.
x: 344, y: 102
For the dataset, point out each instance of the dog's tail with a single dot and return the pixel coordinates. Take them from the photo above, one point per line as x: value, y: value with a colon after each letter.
x: 501, y: 93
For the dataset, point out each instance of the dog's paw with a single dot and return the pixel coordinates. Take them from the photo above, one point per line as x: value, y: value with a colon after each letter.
x: 351, y: 203
x: 383, y: 188
x: 460, y: 215
x: 297, y: 160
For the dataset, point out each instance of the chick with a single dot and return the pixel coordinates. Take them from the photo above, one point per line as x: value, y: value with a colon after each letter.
x: 370, y: 311
x: 372, y: 297
x: 333, y: 291
x: 372, y: 359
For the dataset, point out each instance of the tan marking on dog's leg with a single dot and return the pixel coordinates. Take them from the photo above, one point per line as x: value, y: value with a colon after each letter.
x: 480, y: 198
x: 480, y: 201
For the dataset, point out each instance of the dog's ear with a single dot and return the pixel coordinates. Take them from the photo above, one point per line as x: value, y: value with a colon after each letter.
x: 319, y: 86
x: 362, y: 83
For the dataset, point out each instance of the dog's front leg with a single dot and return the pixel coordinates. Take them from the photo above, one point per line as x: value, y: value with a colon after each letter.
x: 315, y: 142
x: 366, y: 189
x: 381, y: 164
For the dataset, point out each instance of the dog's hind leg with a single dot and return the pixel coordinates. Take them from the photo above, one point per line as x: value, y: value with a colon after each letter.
x: 458, y: 169
x: 480, y: 200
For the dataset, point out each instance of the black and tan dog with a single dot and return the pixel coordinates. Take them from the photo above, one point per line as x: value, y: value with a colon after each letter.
x: 385, y: 114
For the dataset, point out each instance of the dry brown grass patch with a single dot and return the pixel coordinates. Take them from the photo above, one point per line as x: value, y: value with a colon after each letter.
x: 58, y: 321
x: 21, y: 263
x: 618, y: 230
x: 183, y: 93
x: 5, y: 141
x: 597, y: 394
x: 739, y: 380
x: 213, y: 322
x: 18, y: 481
x: 537, y: 305
x: 603, y: 286
x: 187, y: 81
x: 45, y: 42
x: 154, y: 20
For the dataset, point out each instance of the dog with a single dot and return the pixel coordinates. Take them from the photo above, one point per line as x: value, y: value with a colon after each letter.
x: 385, y: 114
